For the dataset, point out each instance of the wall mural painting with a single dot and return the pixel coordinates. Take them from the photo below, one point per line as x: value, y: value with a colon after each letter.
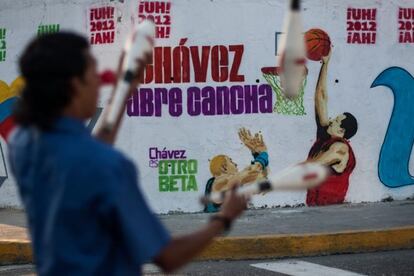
x: 331, y: 147
x: 393, y: 164
x: 160, y: 13
x: 102, y: 25
x: 225, y: 173
x: 47, y: 29
x: 8, y: 96
x: 176, y: 172
x: 197, y: 75
x: 317, y: 45
x: 2, y: 44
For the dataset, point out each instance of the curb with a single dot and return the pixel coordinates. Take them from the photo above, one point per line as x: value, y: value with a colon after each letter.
x: 17, y: 251
x: 266, y: 246
x: 300, y: 245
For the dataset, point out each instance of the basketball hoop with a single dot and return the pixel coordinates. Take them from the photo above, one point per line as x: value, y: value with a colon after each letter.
x: 284, y: 105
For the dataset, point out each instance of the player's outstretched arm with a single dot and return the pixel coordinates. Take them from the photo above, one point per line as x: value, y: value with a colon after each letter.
x: 321, y: 96
x: 182, y: 249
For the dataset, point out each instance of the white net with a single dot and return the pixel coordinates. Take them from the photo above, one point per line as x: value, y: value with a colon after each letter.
x: 284, y: 105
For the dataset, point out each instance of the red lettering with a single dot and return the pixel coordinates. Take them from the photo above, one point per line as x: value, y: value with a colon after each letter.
x: 167, y: 65
x: 106, y: 37
x: 234, y: 71
x: 181, y: 62
x: 366, y: 38
x: 141, y: 7
x: 158, y: 64
x: 159, y: 32
x: 408, y: 38
x: 219, y: 63
x: 356, y: 14
x: 366, y: 14
x: 92, y: 14
x: 160, y: 7
x: 356, y: 38
x: 149, y: 70
x: 200, y: 65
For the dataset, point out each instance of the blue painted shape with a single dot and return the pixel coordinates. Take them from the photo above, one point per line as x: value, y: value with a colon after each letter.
x: 393, y: 165
x: 6, y: 108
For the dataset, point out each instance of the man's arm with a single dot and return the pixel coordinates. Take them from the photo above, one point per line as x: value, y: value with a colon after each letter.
x: 336, y: 157
x: 182, y: 249
x: 321, y: 96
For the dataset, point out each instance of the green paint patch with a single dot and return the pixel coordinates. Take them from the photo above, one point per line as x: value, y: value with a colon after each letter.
x: 177, y: 175
x: 2, y: 44
x: 48, y: 29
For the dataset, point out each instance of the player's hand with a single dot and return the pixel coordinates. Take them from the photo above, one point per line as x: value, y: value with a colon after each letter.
x: 247, y: 138
x: 234, y: 204
x: 325, y: 59
x: 259, y: 144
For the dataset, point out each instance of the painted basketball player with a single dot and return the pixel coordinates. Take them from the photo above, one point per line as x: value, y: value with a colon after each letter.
x: 331, y: 147
x: 225, y: 172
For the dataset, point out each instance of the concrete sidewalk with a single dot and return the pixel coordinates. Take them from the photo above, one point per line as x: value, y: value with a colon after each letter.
x: 282, y: 232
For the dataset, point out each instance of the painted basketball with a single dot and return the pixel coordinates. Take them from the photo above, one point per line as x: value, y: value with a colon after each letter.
x: 318, y: 44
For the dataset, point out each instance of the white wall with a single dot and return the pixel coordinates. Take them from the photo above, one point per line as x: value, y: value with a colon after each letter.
x: 252, y: 24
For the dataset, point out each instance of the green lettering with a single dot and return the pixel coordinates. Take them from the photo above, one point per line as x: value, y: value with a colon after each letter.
x: 183, y: 183
x: 192, y: 183
x: 192, y: 166
x: 182, y: 166
x: 173, y: 166
x: 163, y: 167
x: 163, y: 183
x: 173, y: 183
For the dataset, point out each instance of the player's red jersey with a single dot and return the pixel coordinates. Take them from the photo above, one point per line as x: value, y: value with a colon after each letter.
x: 334, y: 188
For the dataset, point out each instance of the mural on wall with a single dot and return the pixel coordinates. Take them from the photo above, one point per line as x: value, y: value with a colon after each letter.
x: 317, y: 44
x: 361, y: 25
x: 8, y: 96
x: 225, y: 173
x: 102, y: 25
x: 406, y: 25
x: 159, y: 13
x: 204, y: 74
x: 284, y: 105
x: 176, y: 172
x: 393, y: 164
x: 331, y: 147
x: 48, y: 29
x: 193, y: 64
x: 2, y: 44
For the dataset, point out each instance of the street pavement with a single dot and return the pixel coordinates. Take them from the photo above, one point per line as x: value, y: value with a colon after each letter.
x: 388, y: 263
x: 334, y: 218
x: 269, y: 233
